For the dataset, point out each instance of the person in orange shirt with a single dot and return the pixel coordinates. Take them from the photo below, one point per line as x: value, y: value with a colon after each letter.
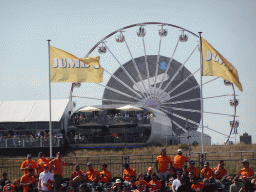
x: 92, y: 175
x: 207, y: 172
x: 154, y: 184
x: 57, y: 167
x: 197, y: 186
x: 128, y: 173
x: 41, y: 162
x: 220, y: 171
x: 105, y: 175
x: 179, y: 160
x: 28, y: 164
x: 76, y: 172
x: 163, y: 162
x: 28, y: 181
x: 193, y: 169
x: 141, y: 182
x: 246, y: 170
x: 8, y: 187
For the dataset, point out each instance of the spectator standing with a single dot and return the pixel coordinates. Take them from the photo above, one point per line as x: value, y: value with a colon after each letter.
x: 8, y: 187
x: 57, y: 167
x: 92, y: 174
x: 207, y: 172
x: 105, y: 175
x: 154, y: 184
x: 246, y: 170
x: 45, y: 180
x: 179, y: 160
x: 162, y: 163
x: 28, y: 164
x: 176, y: 182
x: 41, y: 162
x: 128, y: 173
x: 220, y: 171
x: 197, y: 186
x: 193, y: 169
x: 28, y: 181
x: 237, y: 186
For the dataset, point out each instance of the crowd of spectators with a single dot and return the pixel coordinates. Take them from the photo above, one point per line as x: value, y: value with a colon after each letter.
x: 179, y: 175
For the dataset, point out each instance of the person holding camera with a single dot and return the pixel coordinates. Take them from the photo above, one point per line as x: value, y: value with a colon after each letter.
x: 8, y: 186
x: 105, y: 175
x: 28, y: 181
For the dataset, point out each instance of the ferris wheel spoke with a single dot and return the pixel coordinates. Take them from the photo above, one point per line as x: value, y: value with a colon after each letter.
x: 183, y: 101
x: 184, y: 80
x: 182, y: 109
x: 119, y: 92
x: 117, y: 101
x: 147, y: 69
x: 136, y: 67
x: 168, y: 66
x: 180, y: 117
x: 221, y: 114
x: 126, y: 72
x: 157, y: 61
x: 177, y: 72
x: 124, y: 84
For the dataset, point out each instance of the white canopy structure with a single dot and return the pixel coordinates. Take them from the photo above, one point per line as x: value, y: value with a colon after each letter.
x: 32, y: 111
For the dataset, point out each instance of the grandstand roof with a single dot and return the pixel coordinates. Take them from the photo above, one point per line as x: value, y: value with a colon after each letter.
x: 32, y: 111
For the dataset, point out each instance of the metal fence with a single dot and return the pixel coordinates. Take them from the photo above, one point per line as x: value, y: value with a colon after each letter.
x: 139, y: 162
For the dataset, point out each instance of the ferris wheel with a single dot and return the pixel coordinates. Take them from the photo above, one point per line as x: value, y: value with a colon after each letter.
x: 158, y: 80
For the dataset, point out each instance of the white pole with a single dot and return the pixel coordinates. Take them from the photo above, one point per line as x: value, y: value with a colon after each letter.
x: 50, y: 103
x: 201, y: 94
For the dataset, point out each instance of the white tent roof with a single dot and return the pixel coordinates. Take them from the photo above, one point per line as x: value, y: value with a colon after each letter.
x: 31, y: 111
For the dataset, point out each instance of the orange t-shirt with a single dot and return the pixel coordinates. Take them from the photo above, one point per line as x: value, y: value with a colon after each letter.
x: 26, y: 179
x: 221, y: 173
x: 208, y: 173
x: 248, y: 171
x: 194, y: 170
x: 92, y: 174
x: 130, y: 171
x: 179, y: 161
x: 154, y: 185
x: 143, y: 183
x: 12, y: 188
x: 105, y: 178
x: 163, y: 162
x: 197, y: 187
x: 26, y: 163
x: 58, y: 166
x: 75, y: 173
x: 41, y: 164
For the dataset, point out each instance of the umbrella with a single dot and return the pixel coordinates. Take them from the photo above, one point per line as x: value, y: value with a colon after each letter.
x: 89, y: 109
x: 129, y: 108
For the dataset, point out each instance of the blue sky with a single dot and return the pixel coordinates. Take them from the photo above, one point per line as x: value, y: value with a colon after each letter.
x: 229, y: 26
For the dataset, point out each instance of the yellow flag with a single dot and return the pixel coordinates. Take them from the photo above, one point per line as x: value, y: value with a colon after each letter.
x: 66, y: 67
x: 214, y: 64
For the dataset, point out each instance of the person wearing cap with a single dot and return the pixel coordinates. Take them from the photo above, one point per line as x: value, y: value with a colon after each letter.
x: 184, y: 187
x: 117, y: 186
x: 28, y: 181
x: 77, y: 170
x: 8, y: 187
x: 57, y: 166
x: 207, y: 172
x: 45, y: 179
x: 148, y: 175
x: 128, y: 173
x: 176, y: 182
x: 162, y: 163
x: 28, y: 164
x: 193, y: 169
x: 41, y: 162
x: 246, y: 169
x: 92, y: 174
x: 179, y: 160
x: 105, y: 175
x: 237, y: 186
x: 220, y: 171
x: 154, y: 184
x: 197, y: 186
x: 3, y: 180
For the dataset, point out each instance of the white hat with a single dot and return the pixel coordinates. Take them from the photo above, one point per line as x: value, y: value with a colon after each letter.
x: 179, y: 151
x: 118, y: 181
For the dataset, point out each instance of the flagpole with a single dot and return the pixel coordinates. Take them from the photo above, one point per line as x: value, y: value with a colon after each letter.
x: 201, y: 97
x: 50, y: 103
